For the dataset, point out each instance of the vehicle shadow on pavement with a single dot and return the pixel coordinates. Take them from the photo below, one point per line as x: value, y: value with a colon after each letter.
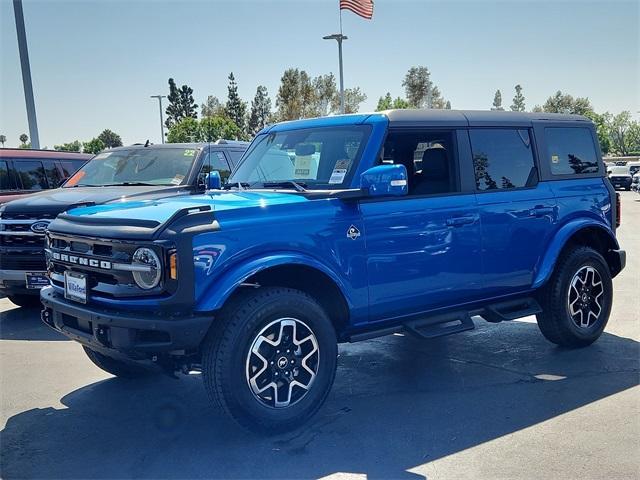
x: 397, y: 403
x: 21, y: 323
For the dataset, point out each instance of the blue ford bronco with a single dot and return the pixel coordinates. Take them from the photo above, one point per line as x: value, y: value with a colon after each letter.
x: 342, y: 229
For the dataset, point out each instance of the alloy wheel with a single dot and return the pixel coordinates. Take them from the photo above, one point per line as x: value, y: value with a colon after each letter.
x: 586, y: 292
x: 282, y: 362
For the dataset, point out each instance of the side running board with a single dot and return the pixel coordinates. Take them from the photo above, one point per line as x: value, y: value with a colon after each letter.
x: 504, y: 311
x: 440, y: 325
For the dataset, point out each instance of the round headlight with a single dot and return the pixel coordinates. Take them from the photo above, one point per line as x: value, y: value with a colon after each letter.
x: 149, y: 276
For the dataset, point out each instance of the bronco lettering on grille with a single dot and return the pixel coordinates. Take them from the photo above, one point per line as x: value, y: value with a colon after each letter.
x: 76, y: 260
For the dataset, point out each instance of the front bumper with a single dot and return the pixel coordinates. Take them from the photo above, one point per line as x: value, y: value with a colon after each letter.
x: 12, y: 282
x: 137, y: 335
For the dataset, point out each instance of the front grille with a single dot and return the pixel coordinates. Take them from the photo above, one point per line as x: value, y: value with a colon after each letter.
x: 73, y: 253
x: 23, y: 262
x: 28, y: 216
x: 22, y: 240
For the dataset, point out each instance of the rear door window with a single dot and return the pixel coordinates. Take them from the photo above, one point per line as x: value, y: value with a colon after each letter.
x: 571, y: 151
x: 31, y: 174
x: 503, y: 158
x: 53, y: 174
x: 5, y: 179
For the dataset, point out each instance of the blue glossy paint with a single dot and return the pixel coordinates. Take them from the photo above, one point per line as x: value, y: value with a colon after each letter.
x: 389, y: 256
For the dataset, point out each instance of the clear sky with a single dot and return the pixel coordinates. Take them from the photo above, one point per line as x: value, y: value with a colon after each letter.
x: 95, y: 62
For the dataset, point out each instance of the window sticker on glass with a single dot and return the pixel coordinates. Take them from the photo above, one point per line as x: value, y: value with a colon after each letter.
x: 189, y: 152
x: 177, y: 180
x: 555, y: 158
x: 102, y: 156
x: 221, y: 157
x: 337, y: 176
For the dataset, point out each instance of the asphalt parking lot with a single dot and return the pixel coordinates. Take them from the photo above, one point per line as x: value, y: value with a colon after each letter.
x: 495, y: 402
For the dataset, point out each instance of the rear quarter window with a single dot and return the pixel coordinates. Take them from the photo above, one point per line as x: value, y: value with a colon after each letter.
x: 571, y: 151
x: 5, y: 180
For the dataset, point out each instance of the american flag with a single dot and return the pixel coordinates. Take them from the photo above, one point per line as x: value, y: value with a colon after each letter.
x: 364, y: 8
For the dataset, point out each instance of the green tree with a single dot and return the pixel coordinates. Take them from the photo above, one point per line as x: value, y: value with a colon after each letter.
x: 235, y: 108
x: 618, y: 126
x: 518, y: 100
x: 602, y: 129
x: 400, y: 104
x: 215, y: 128
x: 181, y: 104
x: 295, y: 95
x: 565, y: 103
x: 260, y: 111
x: 24, y: 138
x: 353, y: 97
x: 110, y: 139
x: 497, y: 101
x: 212, y: 107
x: 3, y: 139
x: 185, y: 130
x: 95, y: 145
x: 74, y: 146
x: 385, y: 103
x: 633, y: 138
x: 324, y: 93
x: 420, y: 90
x: 447, y: 105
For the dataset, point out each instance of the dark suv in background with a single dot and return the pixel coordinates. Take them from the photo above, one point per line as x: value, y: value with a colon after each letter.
x: 137, y: 172
x: 27, y: 171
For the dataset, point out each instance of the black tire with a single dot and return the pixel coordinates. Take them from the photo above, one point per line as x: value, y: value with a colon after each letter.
x: 226, y: 359
x: 116, y: 367
x: 556, y: 321
x: 27, y: 301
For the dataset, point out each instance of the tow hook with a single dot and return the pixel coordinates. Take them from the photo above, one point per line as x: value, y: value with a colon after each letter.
x: 46, y: 315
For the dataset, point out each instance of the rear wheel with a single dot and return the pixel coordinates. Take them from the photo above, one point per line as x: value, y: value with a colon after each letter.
x: 27, y: 301
x: 270, y: 361
x: 576, y: 302
x: 116, y: 367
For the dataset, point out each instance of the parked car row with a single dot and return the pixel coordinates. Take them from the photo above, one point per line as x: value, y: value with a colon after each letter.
x: 328, y: 230
x: 137, y: 173
x: 24, y: 171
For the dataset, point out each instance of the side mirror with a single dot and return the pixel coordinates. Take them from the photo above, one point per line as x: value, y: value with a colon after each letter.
x: 385, y: 180
x: 214, y: 182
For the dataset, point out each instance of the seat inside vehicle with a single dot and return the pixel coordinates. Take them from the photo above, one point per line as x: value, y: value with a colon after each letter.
x: 428, y: 158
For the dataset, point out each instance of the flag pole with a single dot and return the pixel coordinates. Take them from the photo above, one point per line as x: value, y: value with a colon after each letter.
x: 340, y: 38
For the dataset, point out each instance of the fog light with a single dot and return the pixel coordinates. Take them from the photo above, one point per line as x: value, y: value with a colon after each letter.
x: 148, y: 276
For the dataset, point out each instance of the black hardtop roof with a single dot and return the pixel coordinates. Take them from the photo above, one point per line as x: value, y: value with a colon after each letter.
x: 476, y: 117
x: 219, y: 143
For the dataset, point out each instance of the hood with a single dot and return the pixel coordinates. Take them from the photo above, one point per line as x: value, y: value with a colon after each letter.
x: 138, y: 219
x: 60, y: 199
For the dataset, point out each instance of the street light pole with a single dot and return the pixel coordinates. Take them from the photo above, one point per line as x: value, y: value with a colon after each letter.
x: 160, y: 97
x: 339, y: 37
x: 26, y: 74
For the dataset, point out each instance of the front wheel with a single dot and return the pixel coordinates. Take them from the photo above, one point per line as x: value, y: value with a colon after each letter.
x: 576, y: 302
x: 270, y: 360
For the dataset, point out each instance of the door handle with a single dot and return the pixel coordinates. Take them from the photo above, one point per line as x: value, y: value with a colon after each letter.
x: 459, y: 221
x: 540, y: 211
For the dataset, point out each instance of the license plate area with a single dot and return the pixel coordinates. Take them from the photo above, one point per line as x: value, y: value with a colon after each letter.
x: 36, y: 280
x: 75, y: 286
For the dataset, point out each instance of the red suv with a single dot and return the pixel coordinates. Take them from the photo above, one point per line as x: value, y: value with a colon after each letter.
x: 25, y: 171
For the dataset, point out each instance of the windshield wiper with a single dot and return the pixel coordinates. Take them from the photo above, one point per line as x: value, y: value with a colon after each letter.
x: 286, y: 183
x: 132, y: 184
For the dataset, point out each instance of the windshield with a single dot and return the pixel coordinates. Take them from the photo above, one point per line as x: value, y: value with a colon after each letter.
x: 315, y: 157
x: 146, y: 166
